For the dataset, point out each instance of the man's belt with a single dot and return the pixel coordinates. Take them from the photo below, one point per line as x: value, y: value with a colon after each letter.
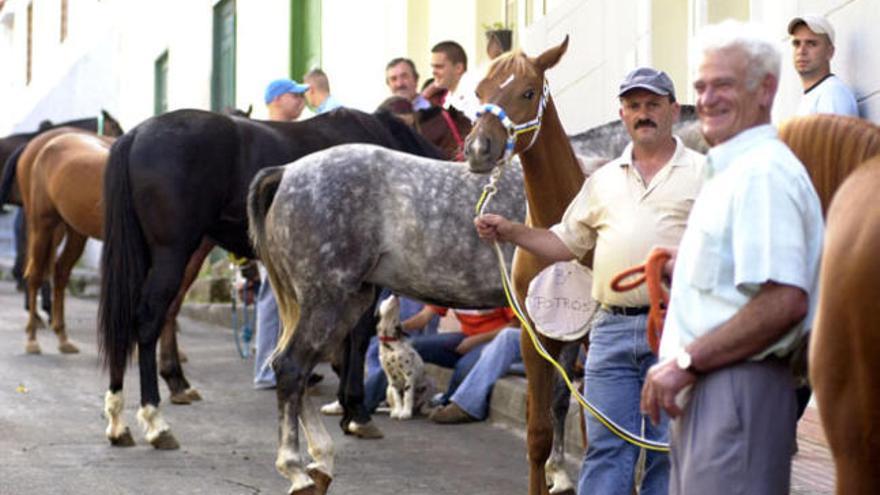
x: 627, y: 310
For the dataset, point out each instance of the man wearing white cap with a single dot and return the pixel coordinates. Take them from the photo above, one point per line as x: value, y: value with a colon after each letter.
x: 812, y: 42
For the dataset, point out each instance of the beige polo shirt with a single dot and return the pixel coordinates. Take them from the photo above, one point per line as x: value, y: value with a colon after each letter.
x: 623, y: 218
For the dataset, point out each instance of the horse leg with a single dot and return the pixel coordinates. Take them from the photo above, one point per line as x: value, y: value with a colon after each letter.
x: 356, y: 419
x: 169, y: 360
x: 39, y: 256
x: 316, y: 331
x: 161, y: 285
x: 539, y: 428
x: 117, y: 431
x: 73, y: 249
x: 557, y: 478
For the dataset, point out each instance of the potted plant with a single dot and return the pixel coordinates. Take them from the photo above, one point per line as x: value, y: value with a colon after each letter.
x: 501, y: 33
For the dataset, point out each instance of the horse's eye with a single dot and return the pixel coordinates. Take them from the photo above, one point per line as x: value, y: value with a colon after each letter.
x: 529, y: 94
x: 477, y: 94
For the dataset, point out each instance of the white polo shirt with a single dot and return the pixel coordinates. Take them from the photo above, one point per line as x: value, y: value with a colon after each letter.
x: 757, y: 219
x: 830, y: 95
x: 623, y: 217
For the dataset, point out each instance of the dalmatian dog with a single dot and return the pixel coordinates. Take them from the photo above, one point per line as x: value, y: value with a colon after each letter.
x: 408, y: 387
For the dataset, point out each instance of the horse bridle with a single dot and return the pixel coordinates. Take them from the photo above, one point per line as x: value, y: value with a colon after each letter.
x: 513, y: 129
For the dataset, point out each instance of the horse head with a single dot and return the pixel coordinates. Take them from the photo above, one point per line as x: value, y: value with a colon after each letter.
x: 111, y: 126
x: 514, y: 95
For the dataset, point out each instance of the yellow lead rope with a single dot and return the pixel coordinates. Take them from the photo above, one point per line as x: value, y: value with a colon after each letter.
x: 488, y: 191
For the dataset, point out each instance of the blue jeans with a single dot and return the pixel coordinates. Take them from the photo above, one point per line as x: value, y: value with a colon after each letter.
x: 268, y: 328
x: 494, y: 362
x: 618, y: 359
x: 436, y: 349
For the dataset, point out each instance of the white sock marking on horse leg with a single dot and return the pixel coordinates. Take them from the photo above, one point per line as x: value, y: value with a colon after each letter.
x: 152, y: 422
x: 556, y: 476
x: 288, y: 462
x: 319, y: 440
x: 113, y: 404
x: 507, y: 81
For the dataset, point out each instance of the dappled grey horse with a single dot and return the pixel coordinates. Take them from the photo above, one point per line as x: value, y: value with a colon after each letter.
x: 332, y: 226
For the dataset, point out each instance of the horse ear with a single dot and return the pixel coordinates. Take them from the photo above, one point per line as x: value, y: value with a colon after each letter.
x: 549, y: 58
x: 249, y: 110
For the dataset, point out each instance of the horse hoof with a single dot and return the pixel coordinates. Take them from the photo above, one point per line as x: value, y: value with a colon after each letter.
x: 124, y: 440
x: 568, y: 491
x: 165, y: 441
x: 32, y: 347
x: 181, y: 398
x: 322, y: 480
x: 367, y: 431
x: 309, y: 490
x: 68, y: 348
x: 193, y: 394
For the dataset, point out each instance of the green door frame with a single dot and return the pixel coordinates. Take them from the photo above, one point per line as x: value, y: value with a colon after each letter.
x: 305, y: 37
x: 160, y: 84
x: 223, y: 68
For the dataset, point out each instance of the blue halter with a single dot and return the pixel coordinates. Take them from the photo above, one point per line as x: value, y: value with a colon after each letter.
x: 514, y: 129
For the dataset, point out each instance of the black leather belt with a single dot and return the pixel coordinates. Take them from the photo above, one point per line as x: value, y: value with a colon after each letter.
x: 627, y: 310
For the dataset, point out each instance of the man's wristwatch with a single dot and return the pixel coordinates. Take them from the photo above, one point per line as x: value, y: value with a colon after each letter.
x: 685, y: 362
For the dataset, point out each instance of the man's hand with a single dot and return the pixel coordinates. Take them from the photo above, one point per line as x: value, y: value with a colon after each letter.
x: 492, y: 227
x: 662, y: 385
x: 468, y: 343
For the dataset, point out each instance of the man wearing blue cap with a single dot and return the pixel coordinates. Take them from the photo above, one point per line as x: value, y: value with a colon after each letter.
x: 285, y: 99
x: 637, y: 201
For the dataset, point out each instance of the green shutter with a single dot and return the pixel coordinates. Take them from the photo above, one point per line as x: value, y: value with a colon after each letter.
x: 160, y: 90
x: 305, y: 37
x: 223, y: 70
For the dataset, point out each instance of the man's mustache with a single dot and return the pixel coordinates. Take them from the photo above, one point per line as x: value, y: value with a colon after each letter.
x: 646, y: 122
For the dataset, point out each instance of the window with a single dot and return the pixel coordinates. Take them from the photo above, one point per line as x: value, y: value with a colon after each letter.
x: 160, y: 89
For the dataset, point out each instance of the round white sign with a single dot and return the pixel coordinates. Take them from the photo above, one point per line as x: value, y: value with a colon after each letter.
x: 560, y: 301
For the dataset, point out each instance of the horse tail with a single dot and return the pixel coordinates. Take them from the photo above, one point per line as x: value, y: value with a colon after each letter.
x: 260, y: 196
x: 124, y: 261
x: 9, y: 174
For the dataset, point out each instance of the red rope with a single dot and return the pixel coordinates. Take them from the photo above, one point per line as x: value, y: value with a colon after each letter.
x: 652, y: 274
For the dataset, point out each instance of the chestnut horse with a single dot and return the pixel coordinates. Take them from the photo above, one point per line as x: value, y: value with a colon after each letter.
x: 60, y: 176
x: 846, y: 337
x: 552, y: 178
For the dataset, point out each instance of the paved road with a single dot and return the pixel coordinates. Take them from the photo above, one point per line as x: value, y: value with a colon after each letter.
x: 52, y: 430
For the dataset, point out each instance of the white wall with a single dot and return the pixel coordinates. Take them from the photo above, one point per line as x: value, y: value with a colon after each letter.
x: 609, y: 38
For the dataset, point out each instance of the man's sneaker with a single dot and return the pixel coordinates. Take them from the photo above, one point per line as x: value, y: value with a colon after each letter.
x: 332, y: 409
x: 451, y: 414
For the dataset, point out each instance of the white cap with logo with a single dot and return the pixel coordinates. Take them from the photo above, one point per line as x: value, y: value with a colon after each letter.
x: 816, y: 24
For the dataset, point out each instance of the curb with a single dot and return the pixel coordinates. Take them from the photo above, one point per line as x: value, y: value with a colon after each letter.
x: 507, y: 406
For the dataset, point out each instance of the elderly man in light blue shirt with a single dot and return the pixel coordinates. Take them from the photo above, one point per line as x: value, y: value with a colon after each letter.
x: 744, y: 284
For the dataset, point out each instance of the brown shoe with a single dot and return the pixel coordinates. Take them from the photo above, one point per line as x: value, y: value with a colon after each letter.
x: 451, y: 414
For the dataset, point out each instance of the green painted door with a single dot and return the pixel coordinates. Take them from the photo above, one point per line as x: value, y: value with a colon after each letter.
x: 223, y: 70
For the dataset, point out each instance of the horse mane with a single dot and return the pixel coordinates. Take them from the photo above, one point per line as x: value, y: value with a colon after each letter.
x: 830, y: 147
x: 515, y: 62
x: 406, y: 137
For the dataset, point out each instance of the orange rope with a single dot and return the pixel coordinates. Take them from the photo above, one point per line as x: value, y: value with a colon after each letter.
x: 652, y: 274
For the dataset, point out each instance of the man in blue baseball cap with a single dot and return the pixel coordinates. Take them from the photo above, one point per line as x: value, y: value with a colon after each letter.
x: 285, y: 99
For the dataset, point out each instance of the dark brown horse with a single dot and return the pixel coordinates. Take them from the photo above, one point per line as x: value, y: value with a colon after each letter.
x: 173, y: 181
x: 552, y: 178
